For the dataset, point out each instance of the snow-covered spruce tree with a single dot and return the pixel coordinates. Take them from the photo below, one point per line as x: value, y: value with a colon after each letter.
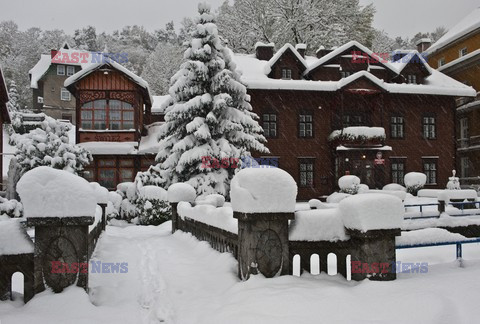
x: 13, y: 97
x: 49, y: 146
x: 209, y: 115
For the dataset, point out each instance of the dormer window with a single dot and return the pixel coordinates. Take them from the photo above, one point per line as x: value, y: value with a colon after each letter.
x: 412, y: 79
x: 70, y: 70
x: 60, y: 69
x: 462, y: 52
x: 286, y: 74
x: 345, y: 74
x: 441, y: 62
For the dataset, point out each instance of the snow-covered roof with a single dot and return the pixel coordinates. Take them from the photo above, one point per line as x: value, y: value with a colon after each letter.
x: 337, y: 51
x: 106, y: 148
x: 39, y: 70
x: 459, y: 60
x: 465, y: 26
x: 279, y: 53
x: 254, y: 76
x: 158, y: 104
x: 92, y: 67
x: 423, y: 40
x: 414, y: 55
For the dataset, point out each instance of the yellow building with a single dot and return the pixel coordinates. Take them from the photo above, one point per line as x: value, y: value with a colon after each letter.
x: 457, y: 54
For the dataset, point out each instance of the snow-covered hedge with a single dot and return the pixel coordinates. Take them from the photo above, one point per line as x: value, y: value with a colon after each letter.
x: 360, y: 133
x: 349, y: 184
x: 12, y: 208
x: 414, y: 181
x: 152, y: 206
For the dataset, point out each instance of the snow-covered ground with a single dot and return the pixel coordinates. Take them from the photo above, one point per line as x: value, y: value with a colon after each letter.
x: 177, y: 279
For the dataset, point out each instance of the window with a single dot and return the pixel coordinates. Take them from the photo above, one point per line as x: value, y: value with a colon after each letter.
x: 350, y: 120
x: 306, y: 172
x: 106, y: 173
x: 397, y: 127
x: 100, y: 114
x: 60, y: 69
x: 286, y: 74
x: 464, y: 128
x: 412, y: 79
x: 464, y: 167
x: 430, y: 170
x: 269, y: 123
x: 429, y: 129
x: 345, y: 74
x: 462, y: 52
x: 70, y: 70
x: 127, y: 171
x: 68, y: 117
x: 65, y: 95
x: 441, y: 62
x: 398, y: 171
x: 306, y: 125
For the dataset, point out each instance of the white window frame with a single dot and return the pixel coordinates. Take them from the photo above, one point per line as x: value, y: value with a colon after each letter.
x: 464, y: 128
x: 411, y: 79
x: 70, y: 70
x: 60, y: 69
x: 441, y: 62
x: 286, y: 74
x: 63, y: 92
x: 462, y: 52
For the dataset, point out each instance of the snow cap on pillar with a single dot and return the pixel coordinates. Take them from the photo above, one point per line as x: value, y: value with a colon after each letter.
x: 263, y: 190
x: 180, y: 191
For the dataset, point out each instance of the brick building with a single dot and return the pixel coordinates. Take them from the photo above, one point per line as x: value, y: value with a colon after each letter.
x: 346, y: 112
x: 457, y: 54
x: 4, y: 115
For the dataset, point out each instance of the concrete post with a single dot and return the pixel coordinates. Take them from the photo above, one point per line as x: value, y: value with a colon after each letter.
x: 263, y: 244
x: 174, y: 216
x: 104, y: 215
x: 63, y: 240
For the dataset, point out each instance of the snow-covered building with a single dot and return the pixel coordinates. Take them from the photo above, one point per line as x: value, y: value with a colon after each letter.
x: 457, y: 54
x: 346, y: 111
x: 113, y: 111
x: 49, y: 95
x: 4, y: 115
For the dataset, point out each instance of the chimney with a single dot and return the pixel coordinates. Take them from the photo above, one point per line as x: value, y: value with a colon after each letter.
x: 301, y: 49
x: 264, y: 51
x: 423, y: 44
x: 53, y: 53
x: 321, y: 52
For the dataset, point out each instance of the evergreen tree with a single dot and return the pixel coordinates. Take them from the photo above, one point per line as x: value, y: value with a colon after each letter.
x: 209, y: 114
x: 13, y: 97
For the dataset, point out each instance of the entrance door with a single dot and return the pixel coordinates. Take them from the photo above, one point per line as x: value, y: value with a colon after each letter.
x: 364, y: 169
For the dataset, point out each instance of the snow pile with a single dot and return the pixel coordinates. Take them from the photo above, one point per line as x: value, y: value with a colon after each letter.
x: 358, y: 133
x: 349, y: 184
x: 372, y: 212
x: 265, y: 190
x: 100, y: 192
x: 430, y: 193
x: 428, y: 236
x: 394, y: 187
x: 447, y: 195
x: 113, y: 205
x: 216, y: 200
x: 179, y: 191
x: 13, y: 238
x: 221, y: 217
x: 415, y: 179
x: 153, y: 192
x: 48, y: 192
x: 318, y: 225
x: 397, y: 193
x: 317, y: 204
x: 97, y: 219
x: 336, y: 197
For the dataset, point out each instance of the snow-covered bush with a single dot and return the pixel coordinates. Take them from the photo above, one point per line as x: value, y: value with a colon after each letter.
x: 11, y: 208
x: 128, y: 209
x: 349, y: 184
x: 360, y: 133
x: 414, y: 181
x: 215, y: 200
x: 209, y: 114
x: 394, y: 187
x: 113, y: 205
x: 49, y: 146
x: 152, y: 206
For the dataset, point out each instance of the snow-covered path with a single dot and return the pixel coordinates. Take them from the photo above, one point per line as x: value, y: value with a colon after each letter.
x: 177, y: 279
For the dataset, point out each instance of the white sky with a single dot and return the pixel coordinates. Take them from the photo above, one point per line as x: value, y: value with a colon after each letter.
x: 403, y: 18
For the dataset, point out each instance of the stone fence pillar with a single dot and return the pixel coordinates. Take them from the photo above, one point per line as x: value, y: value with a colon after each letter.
x: 263, y: 202
x: 178, y: 192
x: 61, y: 251
x: 372, y: 221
